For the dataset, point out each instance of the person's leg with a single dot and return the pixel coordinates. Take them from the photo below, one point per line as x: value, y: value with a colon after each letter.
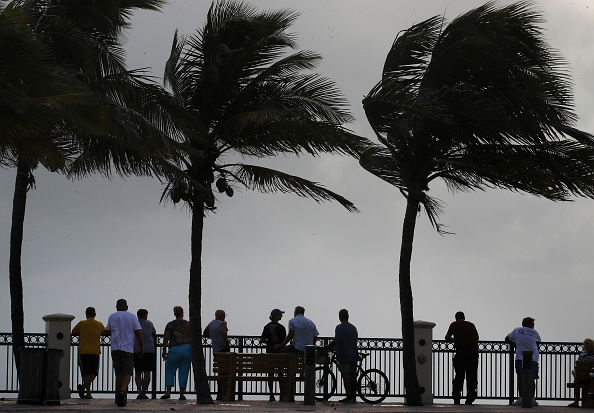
x: 138, y: 380
x: 471, y: 369
x: 171, y: 367
x: 146, y: 380
x: 458, y: 382
x: 185, y: 363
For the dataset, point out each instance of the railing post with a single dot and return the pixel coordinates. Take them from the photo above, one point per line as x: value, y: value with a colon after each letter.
x: 424, y: 357
x: 58, y: 330
x: 512, y: 375
x: 240, y: 345
x: 527, y: 381
x: 309, y: 397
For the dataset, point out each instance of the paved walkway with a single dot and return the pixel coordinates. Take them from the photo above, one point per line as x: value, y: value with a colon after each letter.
x: 108, y: 406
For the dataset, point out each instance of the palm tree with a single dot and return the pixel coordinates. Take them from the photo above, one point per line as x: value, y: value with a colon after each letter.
x: 480, y: 103
x: 109, y: 129
x: 33, y: 86
x: 250, y: 99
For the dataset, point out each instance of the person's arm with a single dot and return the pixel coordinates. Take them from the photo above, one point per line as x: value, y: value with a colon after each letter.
x: 166, y: 338
x: 76, y: 330
x: 223, y: 330
x: 287, y: 339
x: 206, y: 332
x: 507, y: 338
x: 138, y: 335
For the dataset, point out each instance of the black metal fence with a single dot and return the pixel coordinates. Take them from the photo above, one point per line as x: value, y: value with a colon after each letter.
x: 496, y: 367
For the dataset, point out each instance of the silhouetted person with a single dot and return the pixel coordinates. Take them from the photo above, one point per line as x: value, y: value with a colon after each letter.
x: 347, y: 354
x: 465, y: 337
x: 273, y: 333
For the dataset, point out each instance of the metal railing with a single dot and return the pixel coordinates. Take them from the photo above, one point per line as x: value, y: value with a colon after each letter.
x: 496, y: 373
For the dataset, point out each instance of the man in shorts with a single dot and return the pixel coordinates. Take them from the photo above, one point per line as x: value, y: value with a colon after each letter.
x: 89, y: 350
x: 526, y: 338
x: 123, y: 326
x: 143, y: 366
x: 347, y: 354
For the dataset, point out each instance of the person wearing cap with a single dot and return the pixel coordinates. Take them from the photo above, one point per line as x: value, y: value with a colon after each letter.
x: 123, y: 326
x: 526, y: 339
x: 273, y: 334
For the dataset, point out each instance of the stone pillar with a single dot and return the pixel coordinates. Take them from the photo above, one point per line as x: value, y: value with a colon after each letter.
x: 58, y: 328
x: 423, y: 355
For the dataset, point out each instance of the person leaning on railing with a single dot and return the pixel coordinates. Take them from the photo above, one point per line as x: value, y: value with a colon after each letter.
x: 586, y: 355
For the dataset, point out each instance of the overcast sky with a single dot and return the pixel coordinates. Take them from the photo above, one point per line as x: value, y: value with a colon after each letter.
x: 90, y: 242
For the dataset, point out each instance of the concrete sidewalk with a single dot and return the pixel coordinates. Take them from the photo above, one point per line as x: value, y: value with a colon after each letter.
x: 108, y: 406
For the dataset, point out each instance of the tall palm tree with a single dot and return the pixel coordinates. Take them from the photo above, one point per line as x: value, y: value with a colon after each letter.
x: 248, y: 98
x: 82, y: 38
x: 480, y: 103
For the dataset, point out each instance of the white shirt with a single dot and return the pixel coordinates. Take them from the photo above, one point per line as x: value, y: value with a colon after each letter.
x: 526, y: 338
x: 122, y: 325
x: 304, y: 331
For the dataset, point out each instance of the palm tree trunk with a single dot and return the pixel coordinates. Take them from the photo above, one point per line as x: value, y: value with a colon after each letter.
x: 412, y: 389
x: 17, y: 313
x: 195, y: 300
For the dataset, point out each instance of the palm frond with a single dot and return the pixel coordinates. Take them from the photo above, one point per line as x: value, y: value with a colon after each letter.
x: 268, y: 180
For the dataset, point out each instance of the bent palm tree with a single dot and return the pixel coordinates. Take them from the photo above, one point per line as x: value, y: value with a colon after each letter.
x: 103, y: 131
x: 480, y: 103
x: 248, y: 99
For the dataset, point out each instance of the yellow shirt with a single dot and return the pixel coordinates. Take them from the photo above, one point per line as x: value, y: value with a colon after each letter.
x: 90, y: 334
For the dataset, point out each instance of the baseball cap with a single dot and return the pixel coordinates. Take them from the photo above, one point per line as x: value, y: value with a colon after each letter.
x: 275, y: 312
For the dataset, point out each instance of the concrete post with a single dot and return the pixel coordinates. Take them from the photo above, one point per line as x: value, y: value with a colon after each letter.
x: 58, y: 329
x: 423, y: 354
x: 309, y: 396
x: 527, y: 381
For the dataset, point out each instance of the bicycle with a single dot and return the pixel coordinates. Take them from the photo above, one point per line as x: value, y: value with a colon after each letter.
x: 372, y: 384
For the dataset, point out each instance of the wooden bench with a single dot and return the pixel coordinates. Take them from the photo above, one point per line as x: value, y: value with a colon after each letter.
x: 230, y: 368
x: 583, y: 381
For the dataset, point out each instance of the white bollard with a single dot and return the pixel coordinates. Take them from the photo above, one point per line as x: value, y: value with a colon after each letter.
x: 423, y: 355
x: 58, y: 329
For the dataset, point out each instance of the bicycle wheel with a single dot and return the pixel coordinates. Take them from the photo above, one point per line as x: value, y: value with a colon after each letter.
x: 325, y: 377
x: 373, y: 386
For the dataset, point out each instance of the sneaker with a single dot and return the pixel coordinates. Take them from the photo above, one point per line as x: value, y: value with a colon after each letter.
x: 271, y: 398
x: 81, y: 391
x: 348, y: 400
x: 517, y: 402
x: 534, y: 403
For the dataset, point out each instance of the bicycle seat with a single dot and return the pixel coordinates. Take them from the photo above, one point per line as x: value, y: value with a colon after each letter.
x: 363, y: 355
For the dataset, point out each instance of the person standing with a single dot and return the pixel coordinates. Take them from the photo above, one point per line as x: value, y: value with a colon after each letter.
x: 89, y: 350
x: 177, y: 337
x: 302, y: 332
x: 526, y: 339
x: 273, y: 334
x: 123, y: 326
x: 217, y: 331
x: 465, y: 337
x: 146, y: 364
x: 347, y: 354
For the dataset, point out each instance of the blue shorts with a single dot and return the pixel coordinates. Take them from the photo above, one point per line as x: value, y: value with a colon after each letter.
x: 534, y: 369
